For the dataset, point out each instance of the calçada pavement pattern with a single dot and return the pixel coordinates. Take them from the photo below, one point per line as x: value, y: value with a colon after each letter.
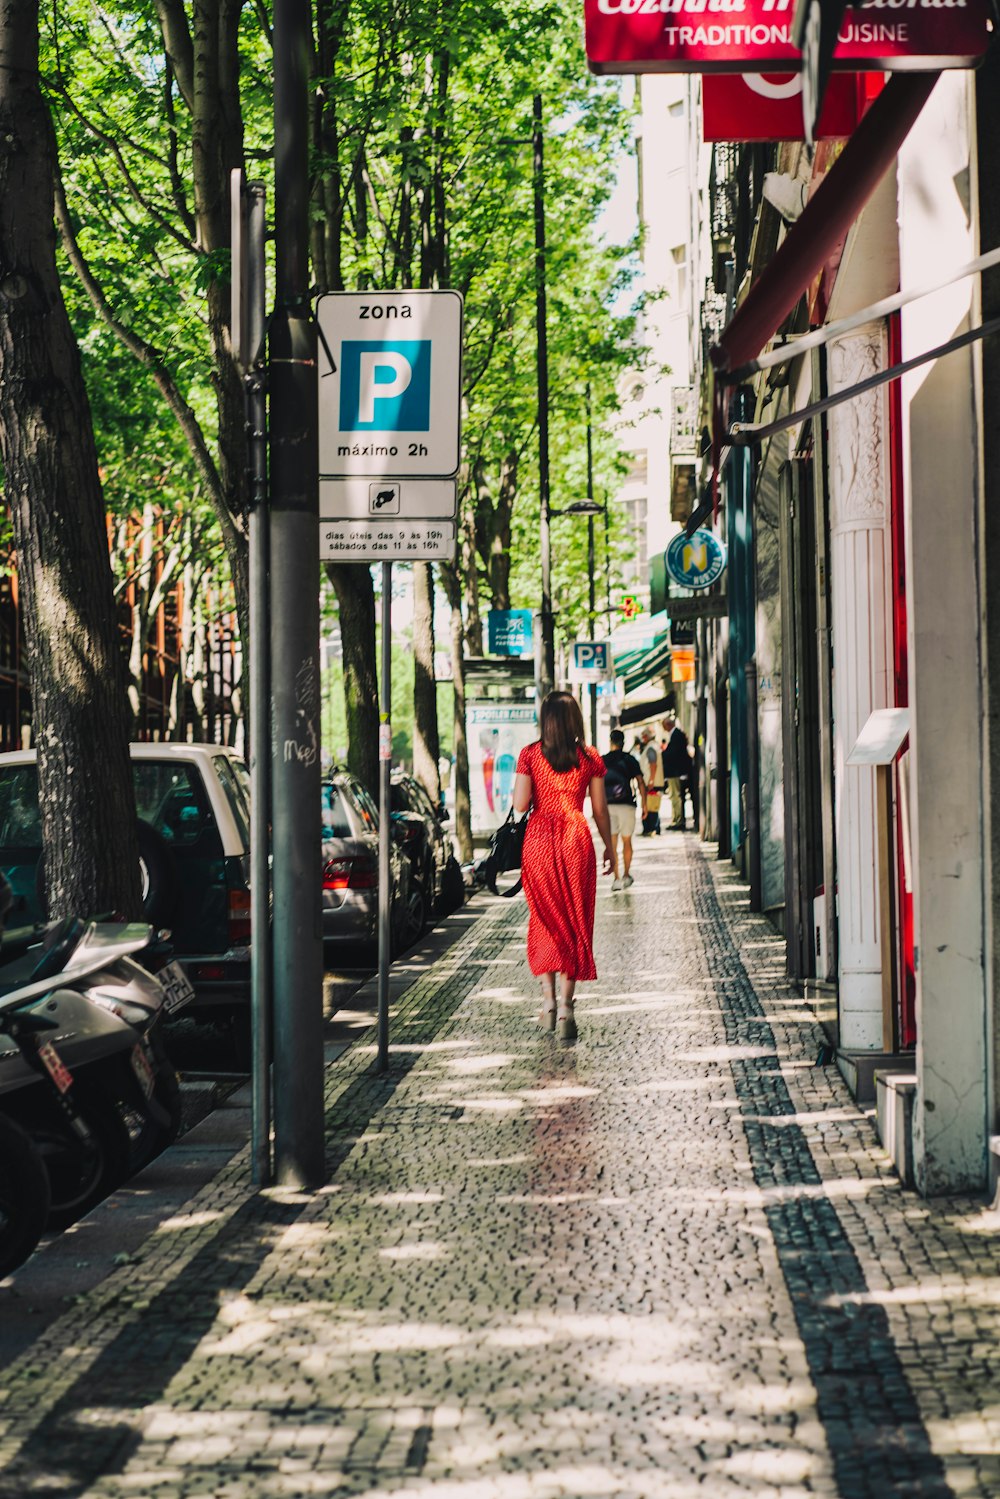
x: 669, y: 1260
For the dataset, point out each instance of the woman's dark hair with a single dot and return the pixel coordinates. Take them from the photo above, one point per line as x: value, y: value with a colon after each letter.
x: 562, y: 730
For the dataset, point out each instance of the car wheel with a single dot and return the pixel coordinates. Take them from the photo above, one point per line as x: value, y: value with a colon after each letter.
x: 413, y: 921
x: 158, y: 885
x: 157, y: 877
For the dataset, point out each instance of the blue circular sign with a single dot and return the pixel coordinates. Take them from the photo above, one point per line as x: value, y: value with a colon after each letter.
x: 695, y: 561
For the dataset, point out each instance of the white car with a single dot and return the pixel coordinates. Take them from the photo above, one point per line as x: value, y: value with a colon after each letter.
x: 193, y: 805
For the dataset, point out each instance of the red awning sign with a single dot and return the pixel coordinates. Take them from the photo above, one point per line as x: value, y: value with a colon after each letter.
x: 755, y: 36
x: 768, y: 107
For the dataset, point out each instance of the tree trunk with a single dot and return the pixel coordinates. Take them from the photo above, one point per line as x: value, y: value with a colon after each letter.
x: 463, y: 805
x: 204, y: 55
x: 52, y: 485
x: 467, y: 569
x: 426, y: 744
x: 356, y: 602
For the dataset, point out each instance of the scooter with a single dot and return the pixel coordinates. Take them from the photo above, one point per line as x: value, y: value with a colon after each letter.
x: 24, y: 1195
x: 86, y: 1076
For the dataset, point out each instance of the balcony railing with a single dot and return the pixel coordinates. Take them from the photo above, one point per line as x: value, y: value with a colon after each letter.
x: 684, y: 422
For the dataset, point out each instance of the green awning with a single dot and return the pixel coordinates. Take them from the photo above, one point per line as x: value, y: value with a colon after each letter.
x: 650, y: 664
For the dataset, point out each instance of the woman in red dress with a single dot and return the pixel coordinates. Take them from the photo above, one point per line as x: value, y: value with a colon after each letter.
x: 558, y: 865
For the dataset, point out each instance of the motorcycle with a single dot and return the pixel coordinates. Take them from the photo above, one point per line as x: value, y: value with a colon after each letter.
x: 87, y: 1077
x: 25, y: 1196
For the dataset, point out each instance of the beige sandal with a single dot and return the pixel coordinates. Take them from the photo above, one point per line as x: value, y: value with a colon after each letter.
x: 566, y: 1024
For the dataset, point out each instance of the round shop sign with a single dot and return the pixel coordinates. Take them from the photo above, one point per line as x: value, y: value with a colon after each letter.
x: 695, y: 561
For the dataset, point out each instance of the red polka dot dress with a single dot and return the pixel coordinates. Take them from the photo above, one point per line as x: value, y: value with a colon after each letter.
x: 558, y: 865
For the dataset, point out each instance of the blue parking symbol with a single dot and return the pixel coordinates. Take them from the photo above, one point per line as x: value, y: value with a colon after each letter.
x: 385, y: 385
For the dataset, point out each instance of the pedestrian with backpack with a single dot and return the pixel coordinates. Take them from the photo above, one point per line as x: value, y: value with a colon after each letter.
x: 623, y: 772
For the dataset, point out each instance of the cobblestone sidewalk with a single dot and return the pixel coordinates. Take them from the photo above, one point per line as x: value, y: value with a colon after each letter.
x: 668, y: 1260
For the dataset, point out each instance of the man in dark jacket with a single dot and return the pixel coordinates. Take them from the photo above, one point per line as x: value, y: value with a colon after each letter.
x: 676, y: 767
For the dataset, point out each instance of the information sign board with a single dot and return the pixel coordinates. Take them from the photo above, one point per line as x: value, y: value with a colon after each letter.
x: 497, y: 732
x: 695, y: 561
x: 390, y: 403
x: 510, y: 632
x: 374, y: 499
x: 387, y: 541
x: 755, y: 36
x: 590, y: 661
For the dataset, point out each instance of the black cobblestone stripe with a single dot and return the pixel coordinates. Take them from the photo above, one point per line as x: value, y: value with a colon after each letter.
x: 65, y: 1454
x: 877, y: 1440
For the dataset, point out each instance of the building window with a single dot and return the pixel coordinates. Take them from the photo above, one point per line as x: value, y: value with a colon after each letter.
x: 638, y: 468
x: 679, y: 253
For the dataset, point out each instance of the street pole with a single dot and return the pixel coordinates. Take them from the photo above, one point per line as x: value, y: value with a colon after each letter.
x: 385, y: 821
x: 592, y: 613
x: 260, y: 695
x: 294, y: 623
x: 546, y: 668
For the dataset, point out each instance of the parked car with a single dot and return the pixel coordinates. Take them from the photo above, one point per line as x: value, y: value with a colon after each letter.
x: 350, y: 870
x: 426, y: 843
x: 194, y: 849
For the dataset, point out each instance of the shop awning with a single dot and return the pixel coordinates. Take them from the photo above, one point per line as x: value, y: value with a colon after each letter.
x: 825, y: 220
x: 651, y: 664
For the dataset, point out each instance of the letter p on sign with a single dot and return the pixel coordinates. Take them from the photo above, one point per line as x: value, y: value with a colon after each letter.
x: 382, y: 377
x: 385, y: 385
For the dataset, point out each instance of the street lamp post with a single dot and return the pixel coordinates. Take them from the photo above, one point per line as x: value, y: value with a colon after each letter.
x: 546, y: 656
x: 588, y: 507
x: 592, y: 612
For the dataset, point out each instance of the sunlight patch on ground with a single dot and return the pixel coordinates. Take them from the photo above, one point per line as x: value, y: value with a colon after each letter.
x: 189, y: 1220
x: 507, y: 1160
x: 970, y: 1291
x: 558, y: 1091
x: 487, y: 1063
x: 725, y: 1054
x: 413, y: 1252
x: 397, y: 1199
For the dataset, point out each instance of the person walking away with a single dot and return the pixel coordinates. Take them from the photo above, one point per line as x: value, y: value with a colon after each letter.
x: 652, y: 769
x: 676, y: 767
x: 623, y: 772
x: 558, y: 865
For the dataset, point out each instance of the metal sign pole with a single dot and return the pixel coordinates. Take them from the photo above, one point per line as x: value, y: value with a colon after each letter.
x: 385, y: 821
x: 260, y: 699
x: 294, y: 621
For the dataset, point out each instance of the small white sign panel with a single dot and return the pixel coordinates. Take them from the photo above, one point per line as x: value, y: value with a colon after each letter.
x: 391, y: 404
x: 591, y: 661
x: 370, y: 499
x: 387, y: 541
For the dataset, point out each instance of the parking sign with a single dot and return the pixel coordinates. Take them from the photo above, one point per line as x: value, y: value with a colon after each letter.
x: 590, y: 661
x: 389, y: 405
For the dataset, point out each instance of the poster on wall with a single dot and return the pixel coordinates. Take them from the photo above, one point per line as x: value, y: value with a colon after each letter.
x: 497, y: 733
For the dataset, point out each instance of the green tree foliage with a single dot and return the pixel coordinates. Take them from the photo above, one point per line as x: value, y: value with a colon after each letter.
x: 423, y: 175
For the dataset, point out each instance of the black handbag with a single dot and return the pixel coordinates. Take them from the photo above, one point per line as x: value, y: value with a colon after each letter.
x: 506, y: 847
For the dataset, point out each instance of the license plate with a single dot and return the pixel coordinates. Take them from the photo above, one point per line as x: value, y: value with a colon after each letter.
x: 142, y: 1069
x: 55, y: 1066
x: 177, y: 987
